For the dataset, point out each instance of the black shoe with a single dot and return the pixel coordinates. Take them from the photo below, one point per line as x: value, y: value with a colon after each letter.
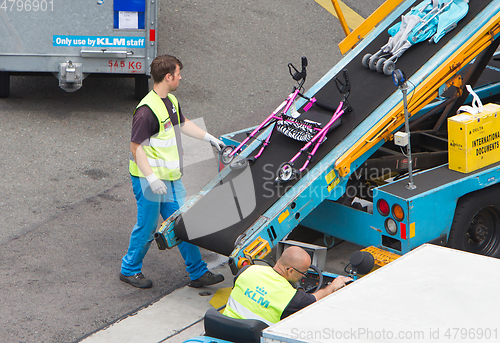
x: 207, y: 279
x: 138, y: 280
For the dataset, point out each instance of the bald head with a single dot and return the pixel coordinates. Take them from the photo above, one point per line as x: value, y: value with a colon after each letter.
x: 295, y: 257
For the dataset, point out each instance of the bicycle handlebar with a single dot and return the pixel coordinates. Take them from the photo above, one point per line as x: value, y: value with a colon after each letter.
x: 298, y: 75
x: 343, y: 87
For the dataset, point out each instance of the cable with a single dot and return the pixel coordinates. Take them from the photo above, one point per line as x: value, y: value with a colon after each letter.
x: 262, y: 260
x: 404, y: 154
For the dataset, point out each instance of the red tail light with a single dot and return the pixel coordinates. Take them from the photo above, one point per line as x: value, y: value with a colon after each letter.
x: 383, y: 207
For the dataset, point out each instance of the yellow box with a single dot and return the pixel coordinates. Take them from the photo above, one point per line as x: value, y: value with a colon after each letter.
x: 474, y: 140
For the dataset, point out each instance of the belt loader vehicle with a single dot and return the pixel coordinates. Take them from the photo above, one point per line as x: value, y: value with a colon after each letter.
x: 359, y: 160
x: 244, y: 213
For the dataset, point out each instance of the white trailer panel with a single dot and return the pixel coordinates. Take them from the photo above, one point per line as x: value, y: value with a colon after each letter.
x: 430, y: 294
x: 74, y: 38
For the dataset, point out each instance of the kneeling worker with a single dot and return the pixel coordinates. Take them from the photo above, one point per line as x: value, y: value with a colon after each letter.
x: 268, y: 294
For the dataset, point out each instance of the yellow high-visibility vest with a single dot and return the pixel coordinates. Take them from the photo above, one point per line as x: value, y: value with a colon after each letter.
x: 259, y: 293
x: 161, y: 151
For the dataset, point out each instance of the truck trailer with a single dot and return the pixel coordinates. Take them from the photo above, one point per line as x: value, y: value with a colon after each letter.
x: 73, y: 39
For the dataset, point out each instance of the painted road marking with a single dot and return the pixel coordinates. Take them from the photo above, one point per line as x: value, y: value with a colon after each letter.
x: 353, y: 19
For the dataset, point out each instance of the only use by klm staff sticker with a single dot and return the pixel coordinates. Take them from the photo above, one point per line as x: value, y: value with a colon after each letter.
x: 98, y: 41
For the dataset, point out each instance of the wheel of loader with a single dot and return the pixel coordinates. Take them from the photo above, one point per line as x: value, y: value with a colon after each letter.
x: 476, y: 224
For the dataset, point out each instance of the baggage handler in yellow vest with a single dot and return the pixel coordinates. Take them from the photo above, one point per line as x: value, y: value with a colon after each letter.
x: 270, y: 294
x: 156, y: 168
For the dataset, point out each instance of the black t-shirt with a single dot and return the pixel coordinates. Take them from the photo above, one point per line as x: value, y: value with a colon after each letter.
x: 300, y: 300
x: 145, y: 125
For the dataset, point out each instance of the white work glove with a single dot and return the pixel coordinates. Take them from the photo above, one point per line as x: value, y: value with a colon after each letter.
x: 214, y: 141
x: 157, y: 185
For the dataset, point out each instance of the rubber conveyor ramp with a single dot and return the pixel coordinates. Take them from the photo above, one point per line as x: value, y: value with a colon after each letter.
x: 243, y: 202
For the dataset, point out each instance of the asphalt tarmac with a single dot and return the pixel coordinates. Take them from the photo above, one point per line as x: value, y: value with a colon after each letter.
x: 66, y: 205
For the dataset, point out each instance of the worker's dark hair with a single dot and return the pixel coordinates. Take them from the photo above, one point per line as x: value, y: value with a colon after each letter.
x: 163, y: 65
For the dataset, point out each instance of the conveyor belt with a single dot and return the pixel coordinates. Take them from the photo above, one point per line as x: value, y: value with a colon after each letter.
x: 369, y: 90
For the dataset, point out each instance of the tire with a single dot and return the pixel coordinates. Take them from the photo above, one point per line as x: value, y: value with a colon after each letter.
x: 373, y: 62
x: 4, y: 84
x: 366, y: 60
x: 380, y: 65
x: 141, y: 86
x: 389, y: 67
x: 224, y: 154
x: 285, y: 172
x: 476, y: 224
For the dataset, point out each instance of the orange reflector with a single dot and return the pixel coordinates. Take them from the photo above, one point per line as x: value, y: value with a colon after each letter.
x: 398, y: 213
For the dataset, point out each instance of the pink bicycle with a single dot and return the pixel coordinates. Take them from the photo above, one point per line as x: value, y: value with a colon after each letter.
x: 313, y: 133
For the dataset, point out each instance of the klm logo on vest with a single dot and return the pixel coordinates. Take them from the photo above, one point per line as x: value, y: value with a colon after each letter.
x: 259, y: 293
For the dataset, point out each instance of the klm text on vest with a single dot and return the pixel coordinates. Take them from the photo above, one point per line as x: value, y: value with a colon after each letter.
x: 259, y: 293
